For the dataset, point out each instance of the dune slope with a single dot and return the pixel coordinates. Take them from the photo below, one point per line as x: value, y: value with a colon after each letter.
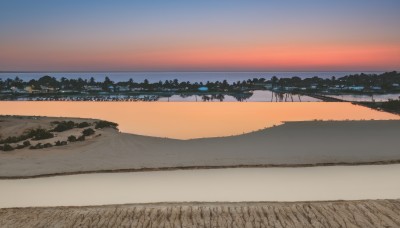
x: 290, y: 144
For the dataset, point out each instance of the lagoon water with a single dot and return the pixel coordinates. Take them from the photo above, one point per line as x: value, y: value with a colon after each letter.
x: 221, y: 185
x: 185, y: 120
x: 376, y: 97
x: 256, y: 96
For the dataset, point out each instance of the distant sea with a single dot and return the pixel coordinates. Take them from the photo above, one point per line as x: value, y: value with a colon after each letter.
x: 181, y: 76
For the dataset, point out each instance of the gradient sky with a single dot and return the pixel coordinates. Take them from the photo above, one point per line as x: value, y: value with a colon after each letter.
x: 207, y: 35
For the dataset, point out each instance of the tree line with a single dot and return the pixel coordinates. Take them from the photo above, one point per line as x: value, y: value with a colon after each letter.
x: 386, y: 80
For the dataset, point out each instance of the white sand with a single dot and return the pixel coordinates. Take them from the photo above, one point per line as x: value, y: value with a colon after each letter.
x: 252, y: 184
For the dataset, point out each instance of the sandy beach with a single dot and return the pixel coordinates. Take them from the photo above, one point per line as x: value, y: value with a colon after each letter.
x: 235, y: 178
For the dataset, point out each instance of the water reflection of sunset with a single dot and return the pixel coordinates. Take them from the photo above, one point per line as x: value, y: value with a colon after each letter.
x: 194, y: 120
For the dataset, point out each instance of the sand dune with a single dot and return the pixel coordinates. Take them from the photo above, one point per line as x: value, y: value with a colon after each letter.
x: 370, y: 213
x: 290, y: 144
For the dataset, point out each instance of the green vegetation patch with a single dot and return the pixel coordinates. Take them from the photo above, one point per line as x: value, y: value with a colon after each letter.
x: 88, y: 132
x: 104, y: 124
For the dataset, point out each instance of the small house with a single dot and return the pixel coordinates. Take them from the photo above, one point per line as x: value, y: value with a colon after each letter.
x: 203, y: 89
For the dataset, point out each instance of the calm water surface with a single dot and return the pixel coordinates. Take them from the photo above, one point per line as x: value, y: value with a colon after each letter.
x: 256, y: 96
x: 376, y: 97
x: 184, y: 120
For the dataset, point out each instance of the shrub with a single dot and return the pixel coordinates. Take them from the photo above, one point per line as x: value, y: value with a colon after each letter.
x: 26, y: 143
x: 7, y: 147
x: 104, y: 124
x: 61, y: 143
x: 88, y: 132
x: 71, y: 138
x: 36, y: 134
x: 14, y: 139
x: 19, y: 146
x: 64, y: 126
x: 40, y: 134
x: 47, y: 145
x: 81, y: 138
x: 37, y: 146
x: 83, y: 125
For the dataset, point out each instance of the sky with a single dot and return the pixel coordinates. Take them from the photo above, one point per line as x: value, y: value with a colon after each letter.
x: 207, y: 35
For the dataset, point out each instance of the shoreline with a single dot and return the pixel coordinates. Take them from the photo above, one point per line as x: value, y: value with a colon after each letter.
x: 163, y: 169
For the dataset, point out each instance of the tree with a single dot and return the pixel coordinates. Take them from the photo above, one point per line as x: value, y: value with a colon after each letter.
x: 274, y: 81
x: 92, y: 82
x: 107, y: 82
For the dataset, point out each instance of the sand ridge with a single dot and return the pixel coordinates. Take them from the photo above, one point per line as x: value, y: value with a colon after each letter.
x: 305, y: 143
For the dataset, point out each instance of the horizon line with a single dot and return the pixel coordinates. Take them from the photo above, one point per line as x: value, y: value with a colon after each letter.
x: 188, y: 71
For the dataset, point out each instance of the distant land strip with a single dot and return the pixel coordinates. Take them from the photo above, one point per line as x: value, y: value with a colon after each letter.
x: 388, y: 162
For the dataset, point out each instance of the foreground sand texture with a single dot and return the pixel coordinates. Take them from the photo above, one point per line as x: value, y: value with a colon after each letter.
x: 370, y: 213
x: 291, y: 144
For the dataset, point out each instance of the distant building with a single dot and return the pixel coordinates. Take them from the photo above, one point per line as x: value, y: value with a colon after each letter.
x: 123, y: 88
x: 111, y: 88
x: 17, y: 90
x: 356, y: 88
x: 93, y: 88
x: 45, y: 89
x: 67, y: 91
x: 29, y: 89
x: 376, y: 88
x: 203, y: 89
x: 290, y: 88
x: 6, y: 91
x: 268, y: 86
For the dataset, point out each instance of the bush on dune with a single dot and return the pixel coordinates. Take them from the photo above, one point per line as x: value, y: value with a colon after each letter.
x: 103, y: 124
x: 81, y: 138
x: 6, y: 147
x: 37, y: 146
x: 88, y: 132
x: 61, y: 143
x: 64, y: 126
x: 83, y: 125
x: 72, y: 138
x: 47, y: 145
x: 40, y: 134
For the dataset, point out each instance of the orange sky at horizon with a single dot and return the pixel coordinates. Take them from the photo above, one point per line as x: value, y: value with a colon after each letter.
x: 256, y: 57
